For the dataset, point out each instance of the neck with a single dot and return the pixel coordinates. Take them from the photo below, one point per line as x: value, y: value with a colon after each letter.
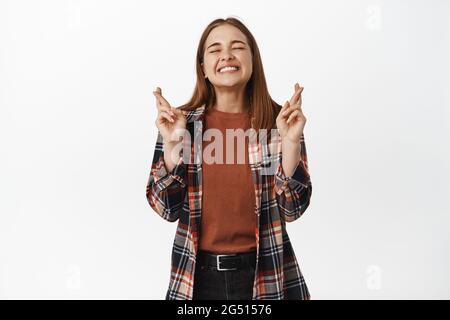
x: 231, y: 101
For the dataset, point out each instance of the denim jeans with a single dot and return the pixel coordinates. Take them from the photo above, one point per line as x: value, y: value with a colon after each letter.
x: 211, y: 284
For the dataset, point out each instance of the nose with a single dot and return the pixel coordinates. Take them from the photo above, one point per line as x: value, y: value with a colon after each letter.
x: 227, y: 56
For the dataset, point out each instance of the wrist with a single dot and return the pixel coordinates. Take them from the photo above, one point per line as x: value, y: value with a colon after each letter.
x: 170, y: 144
x: 287, y: 140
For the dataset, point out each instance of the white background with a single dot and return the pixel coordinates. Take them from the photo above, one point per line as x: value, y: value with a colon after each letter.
x: 77, y: 138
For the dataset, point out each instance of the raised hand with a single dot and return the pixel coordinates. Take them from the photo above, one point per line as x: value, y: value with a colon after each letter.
x: 169, y: 119
x: 291, y: 120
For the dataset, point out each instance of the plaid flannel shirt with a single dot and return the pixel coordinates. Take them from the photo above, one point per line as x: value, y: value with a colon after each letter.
x: 177, y: 196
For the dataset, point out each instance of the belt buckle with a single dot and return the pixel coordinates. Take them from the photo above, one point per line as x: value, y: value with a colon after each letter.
x: 218, y: 262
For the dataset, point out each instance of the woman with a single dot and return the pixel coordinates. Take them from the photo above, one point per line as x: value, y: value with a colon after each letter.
x: 231, y: 240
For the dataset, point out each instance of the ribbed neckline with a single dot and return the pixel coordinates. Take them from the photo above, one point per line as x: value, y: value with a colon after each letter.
x: 228, y: 115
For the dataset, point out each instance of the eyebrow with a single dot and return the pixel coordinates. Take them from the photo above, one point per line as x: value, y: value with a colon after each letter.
x: 218, y: 43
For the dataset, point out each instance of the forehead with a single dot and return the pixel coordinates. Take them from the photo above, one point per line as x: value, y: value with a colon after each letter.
x: 224, y: 34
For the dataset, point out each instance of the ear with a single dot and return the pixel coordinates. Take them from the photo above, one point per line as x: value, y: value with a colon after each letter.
x: 203, y: 70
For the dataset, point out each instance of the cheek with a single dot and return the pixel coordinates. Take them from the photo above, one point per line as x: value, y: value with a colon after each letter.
x: 247, y: 61
x: 248, y: 67
x: 210, y: 66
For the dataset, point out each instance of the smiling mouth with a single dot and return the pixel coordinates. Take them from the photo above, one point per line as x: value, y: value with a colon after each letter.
x: 229, y: 69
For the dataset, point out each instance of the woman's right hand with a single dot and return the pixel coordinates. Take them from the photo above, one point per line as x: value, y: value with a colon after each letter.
x: 169, y: 119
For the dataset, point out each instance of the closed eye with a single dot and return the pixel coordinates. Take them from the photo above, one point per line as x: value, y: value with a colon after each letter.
x: 219, y: 50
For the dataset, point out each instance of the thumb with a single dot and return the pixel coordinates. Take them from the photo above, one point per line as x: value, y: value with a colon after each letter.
x: 283, y: 108
x: 178, y: 112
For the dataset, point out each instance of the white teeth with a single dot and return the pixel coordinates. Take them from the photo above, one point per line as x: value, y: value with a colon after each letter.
x: 228, y: 69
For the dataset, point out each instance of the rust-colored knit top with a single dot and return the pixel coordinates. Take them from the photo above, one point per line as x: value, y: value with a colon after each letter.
x: 228, y: 202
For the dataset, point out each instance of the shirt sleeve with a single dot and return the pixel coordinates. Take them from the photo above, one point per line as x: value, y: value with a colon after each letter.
x: 293, y: 193
x: 165, y: 190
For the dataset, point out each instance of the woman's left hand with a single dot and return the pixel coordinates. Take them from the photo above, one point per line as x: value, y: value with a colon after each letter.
x: 291, y: 120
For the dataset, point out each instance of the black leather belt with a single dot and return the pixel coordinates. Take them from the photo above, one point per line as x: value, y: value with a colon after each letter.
x: 226, y: 262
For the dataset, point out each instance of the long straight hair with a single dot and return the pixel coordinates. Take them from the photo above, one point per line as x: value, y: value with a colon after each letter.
x: 263, y: 109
